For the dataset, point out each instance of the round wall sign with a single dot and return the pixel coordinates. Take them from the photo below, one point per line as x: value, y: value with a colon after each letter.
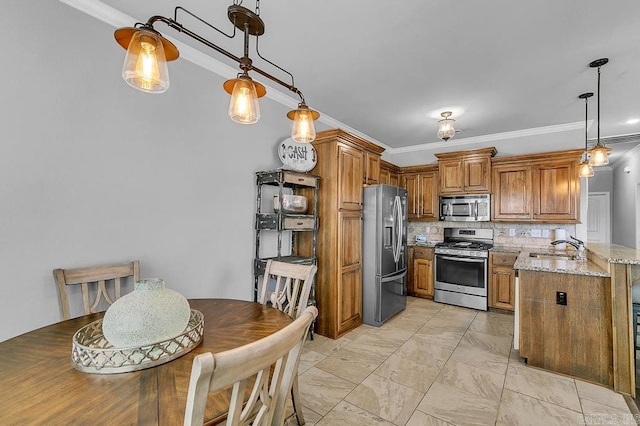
x: 300, y: 157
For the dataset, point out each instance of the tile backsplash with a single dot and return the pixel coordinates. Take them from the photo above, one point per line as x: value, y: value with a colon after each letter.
x: 537, y: 235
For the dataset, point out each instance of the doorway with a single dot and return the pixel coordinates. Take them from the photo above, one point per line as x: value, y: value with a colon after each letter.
x: 599, y: 217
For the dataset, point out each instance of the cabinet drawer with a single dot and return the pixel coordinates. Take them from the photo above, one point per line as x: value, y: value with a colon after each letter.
x: 299, y: 223
x: 423, y: 253
x: 503, y: 259
x: 298, y: 179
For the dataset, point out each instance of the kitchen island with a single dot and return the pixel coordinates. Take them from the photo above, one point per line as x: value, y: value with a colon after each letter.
x: 575, y: 317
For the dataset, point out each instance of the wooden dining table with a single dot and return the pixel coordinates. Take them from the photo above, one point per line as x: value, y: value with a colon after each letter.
x: 39, y: 385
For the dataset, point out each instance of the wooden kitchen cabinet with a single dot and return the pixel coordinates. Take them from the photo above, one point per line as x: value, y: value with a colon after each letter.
x: 465, y: 172
x: 502, y: 280
x: 556, y: 191
x: 537, y: 188
x: 451, y: 176
x: 420, y: 272
x: 371, y: 166
x: 574, y: 339
x: 350, y: 177
x: 349, y: 285
x: 341, y: 167
x: 389, y: 173
x: 421, y: 183
x: 512, y: 192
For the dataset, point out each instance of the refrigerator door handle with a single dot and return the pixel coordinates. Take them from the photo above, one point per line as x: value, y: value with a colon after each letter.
x: 394, y: 218
x: 398, y: 225
x: 401, y: 230
x: 393, y: 277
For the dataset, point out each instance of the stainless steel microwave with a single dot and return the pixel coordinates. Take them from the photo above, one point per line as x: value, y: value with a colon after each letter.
x: 465, y: 208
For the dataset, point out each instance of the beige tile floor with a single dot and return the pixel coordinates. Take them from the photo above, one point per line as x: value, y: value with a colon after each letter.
x: 436, y: 364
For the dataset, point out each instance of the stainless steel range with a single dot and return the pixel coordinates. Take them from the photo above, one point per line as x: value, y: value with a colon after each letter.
x: 461, y: 267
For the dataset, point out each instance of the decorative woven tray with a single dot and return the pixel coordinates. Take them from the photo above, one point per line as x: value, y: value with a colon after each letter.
x: 92, y: 353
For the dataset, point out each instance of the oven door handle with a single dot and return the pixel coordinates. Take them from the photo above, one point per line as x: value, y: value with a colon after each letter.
x: 462, y: 259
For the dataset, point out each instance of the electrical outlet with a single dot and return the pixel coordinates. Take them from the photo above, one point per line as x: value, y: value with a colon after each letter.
x: 536, y: 233
x: 512, y: 232
x: 561, y: 298
x: 545, y: 233
x: 427, y: 229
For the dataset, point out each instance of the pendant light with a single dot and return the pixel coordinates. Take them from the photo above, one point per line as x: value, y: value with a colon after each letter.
x: 599, y: 153
x: 145, y: 66
x: 584, y: 169
x: 303, y: 129
x: 243, y: 106
x: 446, y: 128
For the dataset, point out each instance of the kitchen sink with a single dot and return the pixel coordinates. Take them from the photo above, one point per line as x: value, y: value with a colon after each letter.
x: 553, y: 256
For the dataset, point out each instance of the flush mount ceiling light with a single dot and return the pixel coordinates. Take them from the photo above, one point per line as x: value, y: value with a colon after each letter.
x: 584, y: 169
x: 599, y: 153
x: 446, y: 129
x: 145, y: 66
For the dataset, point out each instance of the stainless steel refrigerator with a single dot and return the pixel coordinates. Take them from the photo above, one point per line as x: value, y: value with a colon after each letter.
x: 384, y: 253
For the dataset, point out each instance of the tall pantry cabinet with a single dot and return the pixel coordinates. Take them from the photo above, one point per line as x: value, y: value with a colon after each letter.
x: 343, y: 160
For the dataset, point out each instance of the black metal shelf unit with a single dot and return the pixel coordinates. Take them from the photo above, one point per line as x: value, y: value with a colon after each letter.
x: 278, y: 222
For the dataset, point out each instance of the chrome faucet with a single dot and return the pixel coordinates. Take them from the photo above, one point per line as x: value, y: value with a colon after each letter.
x: 578, y: 245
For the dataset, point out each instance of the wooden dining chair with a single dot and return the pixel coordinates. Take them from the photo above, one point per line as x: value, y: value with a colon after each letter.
x: 251, y: 363
x: 94, y: 281
x: 293, y: 283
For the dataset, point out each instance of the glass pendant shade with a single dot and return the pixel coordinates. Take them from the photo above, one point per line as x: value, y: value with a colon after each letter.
x: 585, y: 170
x: 244, y: 107
x: 303, y: 130
x: 145, y: 65
x: 599, y: 155
x: 446, y: 129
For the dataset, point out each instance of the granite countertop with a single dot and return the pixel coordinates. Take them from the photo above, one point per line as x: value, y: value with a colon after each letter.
x: 507, y: 248
x: 425, y: 244
x: 614, y: 253
x: 525, y: 262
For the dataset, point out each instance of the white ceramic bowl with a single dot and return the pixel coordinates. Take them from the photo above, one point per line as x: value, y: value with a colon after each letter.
x: 296, y: 204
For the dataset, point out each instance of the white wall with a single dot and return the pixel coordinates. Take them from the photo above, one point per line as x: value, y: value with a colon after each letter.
x: 624, y: 199
x: 92, y: 171
x: 602, y: 180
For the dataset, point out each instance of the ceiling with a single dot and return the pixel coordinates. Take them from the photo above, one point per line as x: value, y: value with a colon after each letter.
x: 510, y: 72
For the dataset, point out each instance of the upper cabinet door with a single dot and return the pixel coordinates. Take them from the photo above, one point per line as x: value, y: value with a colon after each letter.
x: 394, y: 179
x: 451, y: 176
x: 385, y: 176
x: 555, y: 191
x: 477, y: 174
x: 410, y: 182
x: 429, y: 195
x: 512, y: 192
x: 371, y: 168
x: 350, y: 178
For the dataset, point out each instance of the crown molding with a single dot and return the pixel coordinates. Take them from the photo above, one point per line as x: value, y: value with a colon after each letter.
x: 484, y: 139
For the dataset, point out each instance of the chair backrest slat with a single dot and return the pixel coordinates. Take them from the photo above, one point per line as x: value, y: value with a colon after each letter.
x: 98, y: 277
